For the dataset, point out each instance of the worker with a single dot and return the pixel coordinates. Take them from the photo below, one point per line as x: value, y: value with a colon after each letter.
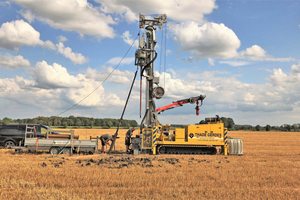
x: 105, y: 140
x: 128, y: 138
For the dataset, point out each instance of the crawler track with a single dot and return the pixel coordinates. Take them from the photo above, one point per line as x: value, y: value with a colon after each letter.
x: 182, y: 149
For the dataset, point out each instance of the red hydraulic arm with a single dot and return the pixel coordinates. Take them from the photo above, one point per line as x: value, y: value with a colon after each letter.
x: 175, y: 104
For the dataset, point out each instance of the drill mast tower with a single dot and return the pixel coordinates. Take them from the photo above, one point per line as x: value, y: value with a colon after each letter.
x: 144, y: 57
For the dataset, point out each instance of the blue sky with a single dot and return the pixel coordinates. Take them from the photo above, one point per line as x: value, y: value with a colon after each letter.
x: 243, y: 55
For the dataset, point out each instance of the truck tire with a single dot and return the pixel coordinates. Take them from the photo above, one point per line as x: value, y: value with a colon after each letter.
x: 54, y: 150
x: 9, y: 143
x: 67, y: 151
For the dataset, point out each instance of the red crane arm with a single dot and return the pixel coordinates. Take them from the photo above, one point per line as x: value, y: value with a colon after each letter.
x: 175, y: 104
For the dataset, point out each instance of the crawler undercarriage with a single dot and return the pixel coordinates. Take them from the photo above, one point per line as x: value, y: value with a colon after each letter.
x: 183, y: 149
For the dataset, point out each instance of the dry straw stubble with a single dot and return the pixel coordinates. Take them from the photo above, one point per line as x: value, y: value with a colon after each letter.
x: 269, y: 169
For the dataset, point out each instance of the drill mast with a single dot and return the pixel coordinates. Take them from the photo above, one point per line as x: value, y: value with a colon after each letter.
x: 144, y: 57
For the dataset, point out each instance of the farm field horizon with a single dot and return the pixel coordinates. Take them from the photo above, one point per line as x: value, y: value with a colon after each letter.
x: 268, y: 169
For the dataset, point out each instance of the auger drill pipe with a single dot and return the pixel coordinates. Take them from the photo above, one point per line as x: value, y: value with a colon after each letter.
x: 121, y: 119
x: 178, y: 103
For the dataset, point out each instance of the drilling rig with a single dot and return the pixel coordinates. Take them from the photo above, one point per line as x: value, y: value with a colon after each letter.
x: 155, y: 138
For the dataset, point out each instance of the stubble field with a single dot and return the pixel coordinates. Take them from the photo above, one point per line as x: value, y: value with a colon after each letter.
x: 269, y: 169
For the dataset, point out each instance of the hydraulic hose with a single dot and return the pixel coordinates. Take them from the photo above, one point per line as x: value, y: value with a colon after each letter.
x: 148, y: 64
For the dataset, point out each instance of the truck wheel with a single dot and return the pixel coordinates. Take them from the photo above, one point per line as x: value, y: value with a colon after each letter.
x: 54, y: 150
x: 67, y: 151
x: 9, y: 144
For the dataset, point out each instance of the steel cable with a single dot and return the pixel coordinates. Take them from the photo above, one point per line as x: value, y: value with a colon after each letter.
x: 101, y: 82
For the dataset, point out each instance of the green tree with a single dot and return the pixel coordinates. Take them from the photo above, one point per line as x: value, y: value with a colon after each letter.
x: 202, y: 122
x: 85, y: 122
x: 59, y: 122
x: 65, y: 124
x: 55, y: 123
x: 115, y: 122
x: 225, y: 121
x: 276, y: 128
x: 287, y: 127
x: 109, y: 124
x: 257, y: 127
x: 268, y: 127
x: 98, y: 122
x: 133, y: 123
x: 6, y: 120
x: 230, y: 123
x: 92, y: 122
x: 49, y: 123
x: 78, y: 122
x: 295, y: 127
x: 70, y: 122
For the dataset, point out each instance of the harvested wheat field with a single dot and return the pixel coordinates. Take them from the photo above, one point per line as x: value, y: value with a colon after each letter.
x: 269, y: 169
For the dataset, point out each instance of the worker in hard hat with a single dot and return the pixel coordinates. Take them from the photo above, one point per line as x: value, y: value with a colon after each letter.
x: 128, y: 138
x: 105, y: 140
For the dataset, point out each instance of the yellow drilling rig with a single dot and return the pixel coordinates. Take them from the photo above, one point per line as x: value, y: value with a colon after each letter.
x: 155, y: 138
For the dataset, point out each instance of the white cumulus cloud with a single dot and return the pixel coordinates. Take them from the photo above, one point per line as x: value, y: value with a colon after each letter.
x: 227, y: 94
x: 120, y: 77
x: 257, y: 53
x: 235, y: 63
x: 98, y: 98
x: 208, y: 40
x: 175, y: 10
x: 48, y: 45
x: 76, y: 58
x: 128, y: 39
x: 27, y: 15
x: 17, y: 33
x: 70, y: 15
x: 296, y: 68
x: 116, y: 60
x: 8, y: 61
x: 20, y: 90
x: 53, y: 76
x: 54, y: 99
x: 62, y: 38
x: 211, y: 61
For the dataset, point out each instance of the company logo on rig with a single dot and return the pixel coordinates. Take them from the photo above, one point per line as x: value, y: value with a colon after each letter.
x: 205, y: 134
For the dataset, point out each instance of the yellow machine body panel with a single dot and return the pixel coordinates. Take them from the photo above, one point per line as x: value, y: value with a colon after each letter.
x: 200, y: 138
x: 202, y: 134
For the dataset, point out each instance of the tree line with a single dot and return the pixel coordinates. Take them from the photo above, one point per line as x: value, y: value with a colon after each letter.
x: 284, y: 127
x: 73, y: 121
x: 108, y: 123
x: 227, y: 121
